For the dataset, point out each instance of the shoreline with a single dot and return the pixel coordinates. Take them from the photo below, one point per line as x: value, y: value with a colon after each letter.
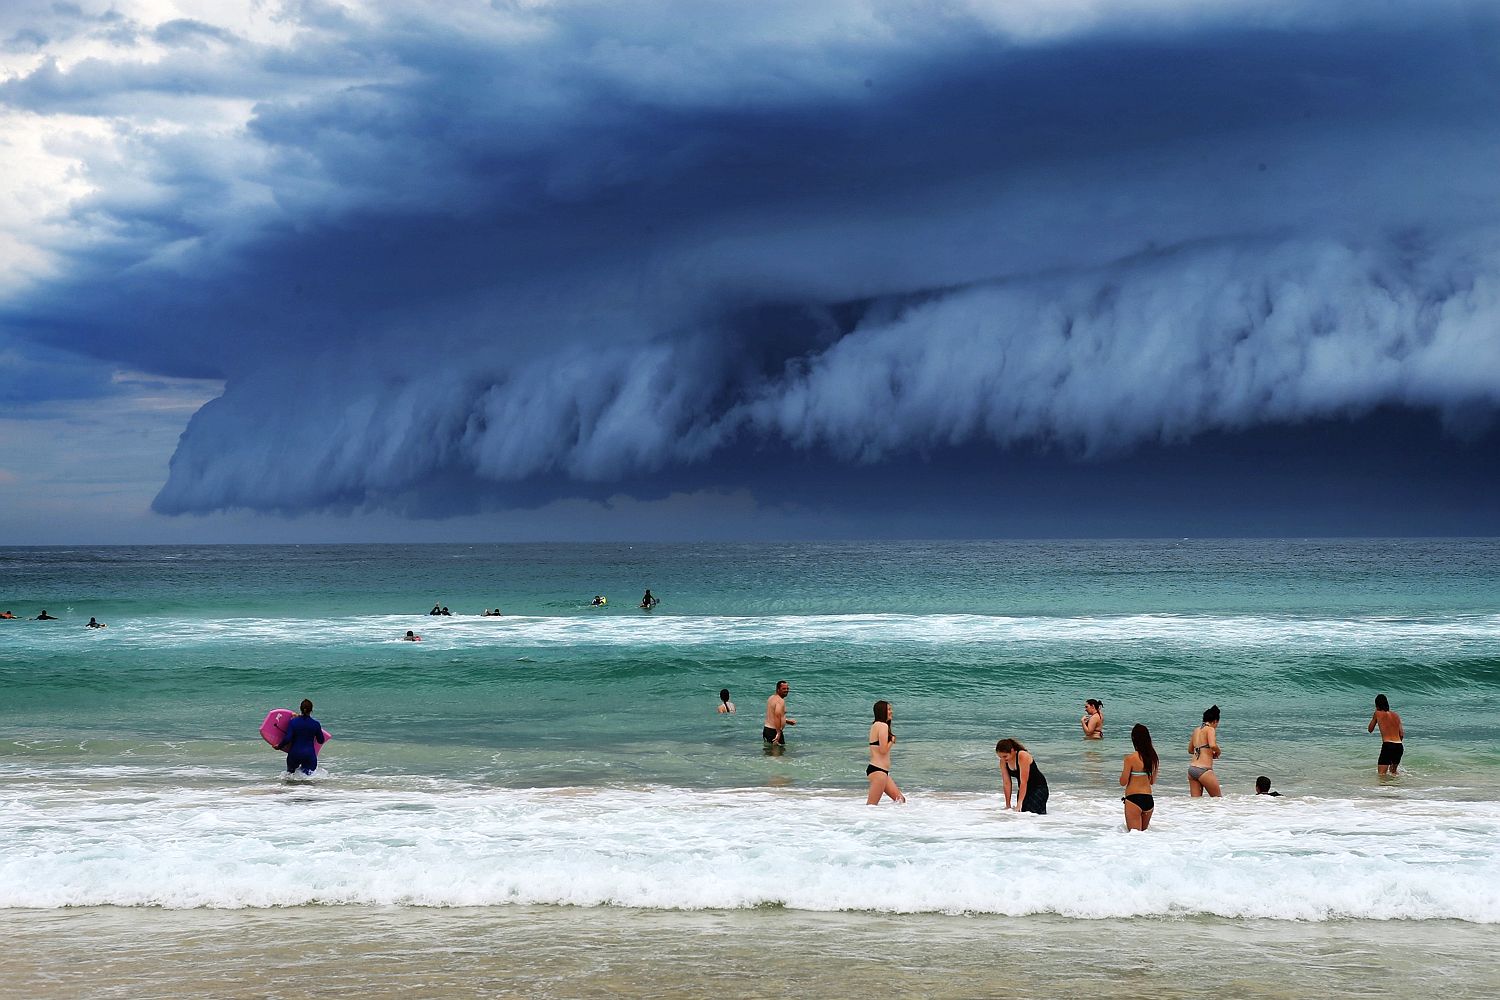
x: 587, y: 952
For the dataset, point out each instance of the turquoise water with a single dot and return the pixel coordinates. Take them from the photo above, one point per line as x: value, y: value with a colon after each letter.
x: 562, y: 722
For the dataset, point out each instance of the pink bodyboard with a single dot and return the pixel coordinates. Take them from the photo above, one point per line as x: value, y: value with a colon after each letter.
x: 273, y: 730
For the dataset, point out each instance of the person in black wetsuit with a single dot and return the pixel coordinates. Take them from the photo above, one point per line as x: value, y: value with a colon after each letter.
x: 436, y: 610
x: 44, y: 617
x: 649, y: 601
x: 303, y: 735
x: 1017, y: 763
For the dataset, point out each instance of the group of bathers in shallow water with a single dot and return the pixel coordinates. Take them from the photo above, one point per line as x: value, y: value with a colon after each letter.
x: 1019, y: 772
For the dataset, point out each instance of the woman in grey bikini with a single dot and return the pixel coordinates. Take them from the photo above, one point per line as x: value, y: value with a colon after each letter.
x: 1203, y: 748
x: 1138, y: 775
x: 879, y: 768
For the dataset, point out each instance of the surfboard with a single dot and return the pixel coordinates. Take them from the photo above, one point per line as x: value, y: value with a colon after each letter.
x: 273, y: 730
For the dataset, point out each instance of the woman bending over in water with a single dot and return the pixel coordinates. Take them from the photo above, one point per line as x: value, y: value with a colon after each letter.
x: 1138, y: 774
x: 1017, y: 763
x: 879, y: 769
x: 1203, y: 748
x: 1093, y: 719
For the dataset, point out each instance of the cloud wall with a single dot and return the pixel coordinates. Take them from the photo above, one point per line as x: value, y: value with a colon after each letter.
x: 521, y: 252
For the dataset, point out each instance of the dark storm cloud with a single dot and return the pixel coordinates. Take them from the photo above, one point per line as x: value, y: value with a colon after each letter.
x: 547, y: 250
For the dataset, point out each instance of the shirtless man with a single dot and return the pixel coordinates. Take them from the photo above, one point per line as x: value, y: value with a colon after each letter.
x: 1392, y: 735
x: 776, y: 719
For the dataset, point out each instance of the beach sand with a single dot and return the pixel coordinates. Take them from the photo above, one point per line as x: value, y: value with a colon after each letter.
x: 612, y: 952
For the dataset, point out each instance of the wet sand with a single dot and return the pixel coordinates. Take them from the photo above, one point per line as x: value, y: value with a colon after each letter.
x: 609, y: 952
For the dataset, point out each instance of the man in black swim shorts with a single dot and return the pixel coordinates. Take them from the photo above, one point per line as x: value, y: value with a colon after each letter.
x: 774, y: 730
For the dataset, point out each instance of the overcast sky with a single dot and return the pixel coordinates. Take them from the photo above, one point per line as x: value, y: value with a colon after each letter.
x: 651, y: 270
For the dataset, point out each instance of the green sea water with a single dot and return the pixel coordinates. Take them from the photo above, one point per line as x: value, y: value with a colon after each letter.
x: 564, y: 753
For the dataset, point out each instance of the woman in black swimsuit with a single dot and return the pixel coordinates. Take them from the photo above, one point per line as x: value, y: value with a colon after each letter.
x: 1138, y: 774
x: 1017, y: 763
x: 879, y: 769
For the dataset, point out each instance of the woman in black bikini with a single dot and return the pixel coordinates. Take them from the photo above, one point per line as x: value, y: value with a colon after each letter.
x: 879, y: 769
x: 1017, y: 763
x: 1138, y: 775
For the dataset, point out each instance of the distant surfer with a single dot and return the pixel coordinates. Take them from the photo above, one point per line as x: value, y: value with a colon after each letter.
x: 95, y: 623
x: 1392, y: 736
x: 726, y: 707
x: 774, y: 730
x: 1093, y: 719
x: 303, y: 736
x: 648, y: 601
x: 44, y: 617
x: 492, y: 614
x: 446, y: 612
x: 411, y: 636
x: 7, y: 614
x: 436, y: 610
x: 600, y: 600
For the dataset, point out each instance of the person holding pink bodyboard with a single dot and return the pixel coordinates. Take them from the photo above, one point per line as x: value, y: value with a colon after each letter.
x: 301, y: 739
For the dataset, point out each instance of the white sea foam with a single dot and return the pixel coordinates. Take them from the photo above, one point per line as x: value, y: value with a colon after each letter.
x: 1437, y: 634
x: 274, y: 845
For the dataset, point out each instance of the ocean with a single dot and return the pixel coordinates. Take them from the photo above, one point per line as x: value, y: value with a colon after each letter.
x: 547, y: 804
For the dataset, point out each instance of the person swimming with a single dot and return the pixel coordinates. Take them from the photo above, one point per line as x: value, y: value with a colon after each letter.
x: 878, y: 771
x: 648, y: 601
x: 7, y: 614
x: 446, y: 612
x: 600, y: 600
x: 411, y: 636
x: 44, y: 617
x: 95, y: 623
x: 1138, y: 774
x: 1263, y: 786
x: 1203, y: 750
x: 726, y: 707
x: 492, y: 614
x: 303, y: 736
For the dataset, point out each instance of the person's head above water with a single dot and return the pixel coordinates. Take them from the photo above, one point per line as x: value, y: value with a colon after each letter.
x: 1381, y: 703
x: 724, y: 695
x: 306, y: 706
x: 1211, y: 714
x: 1262, y: 785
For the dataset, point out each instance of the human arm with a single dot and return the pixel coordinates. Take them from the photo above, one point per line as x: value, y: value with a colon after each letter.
x: 1125, y: 769
x: 1005, y: 782
x: 1023, y: 764
x: 1373, y: 719
x: 1213, y: 742
x: 1400, y: 729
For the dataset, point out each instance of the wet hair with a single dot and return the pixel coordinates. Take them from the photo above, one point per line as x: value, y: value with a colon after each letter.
x: 1262, y: 785
x: 779, y: 683
x: 883, y: 714
x: 1211, y: 714
x: 1098, y: 705
x: 1009, y: 745
x: 306, y: 705
x: 1140, y: 738
x: 724, y: 695
x: 1381, y: 704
